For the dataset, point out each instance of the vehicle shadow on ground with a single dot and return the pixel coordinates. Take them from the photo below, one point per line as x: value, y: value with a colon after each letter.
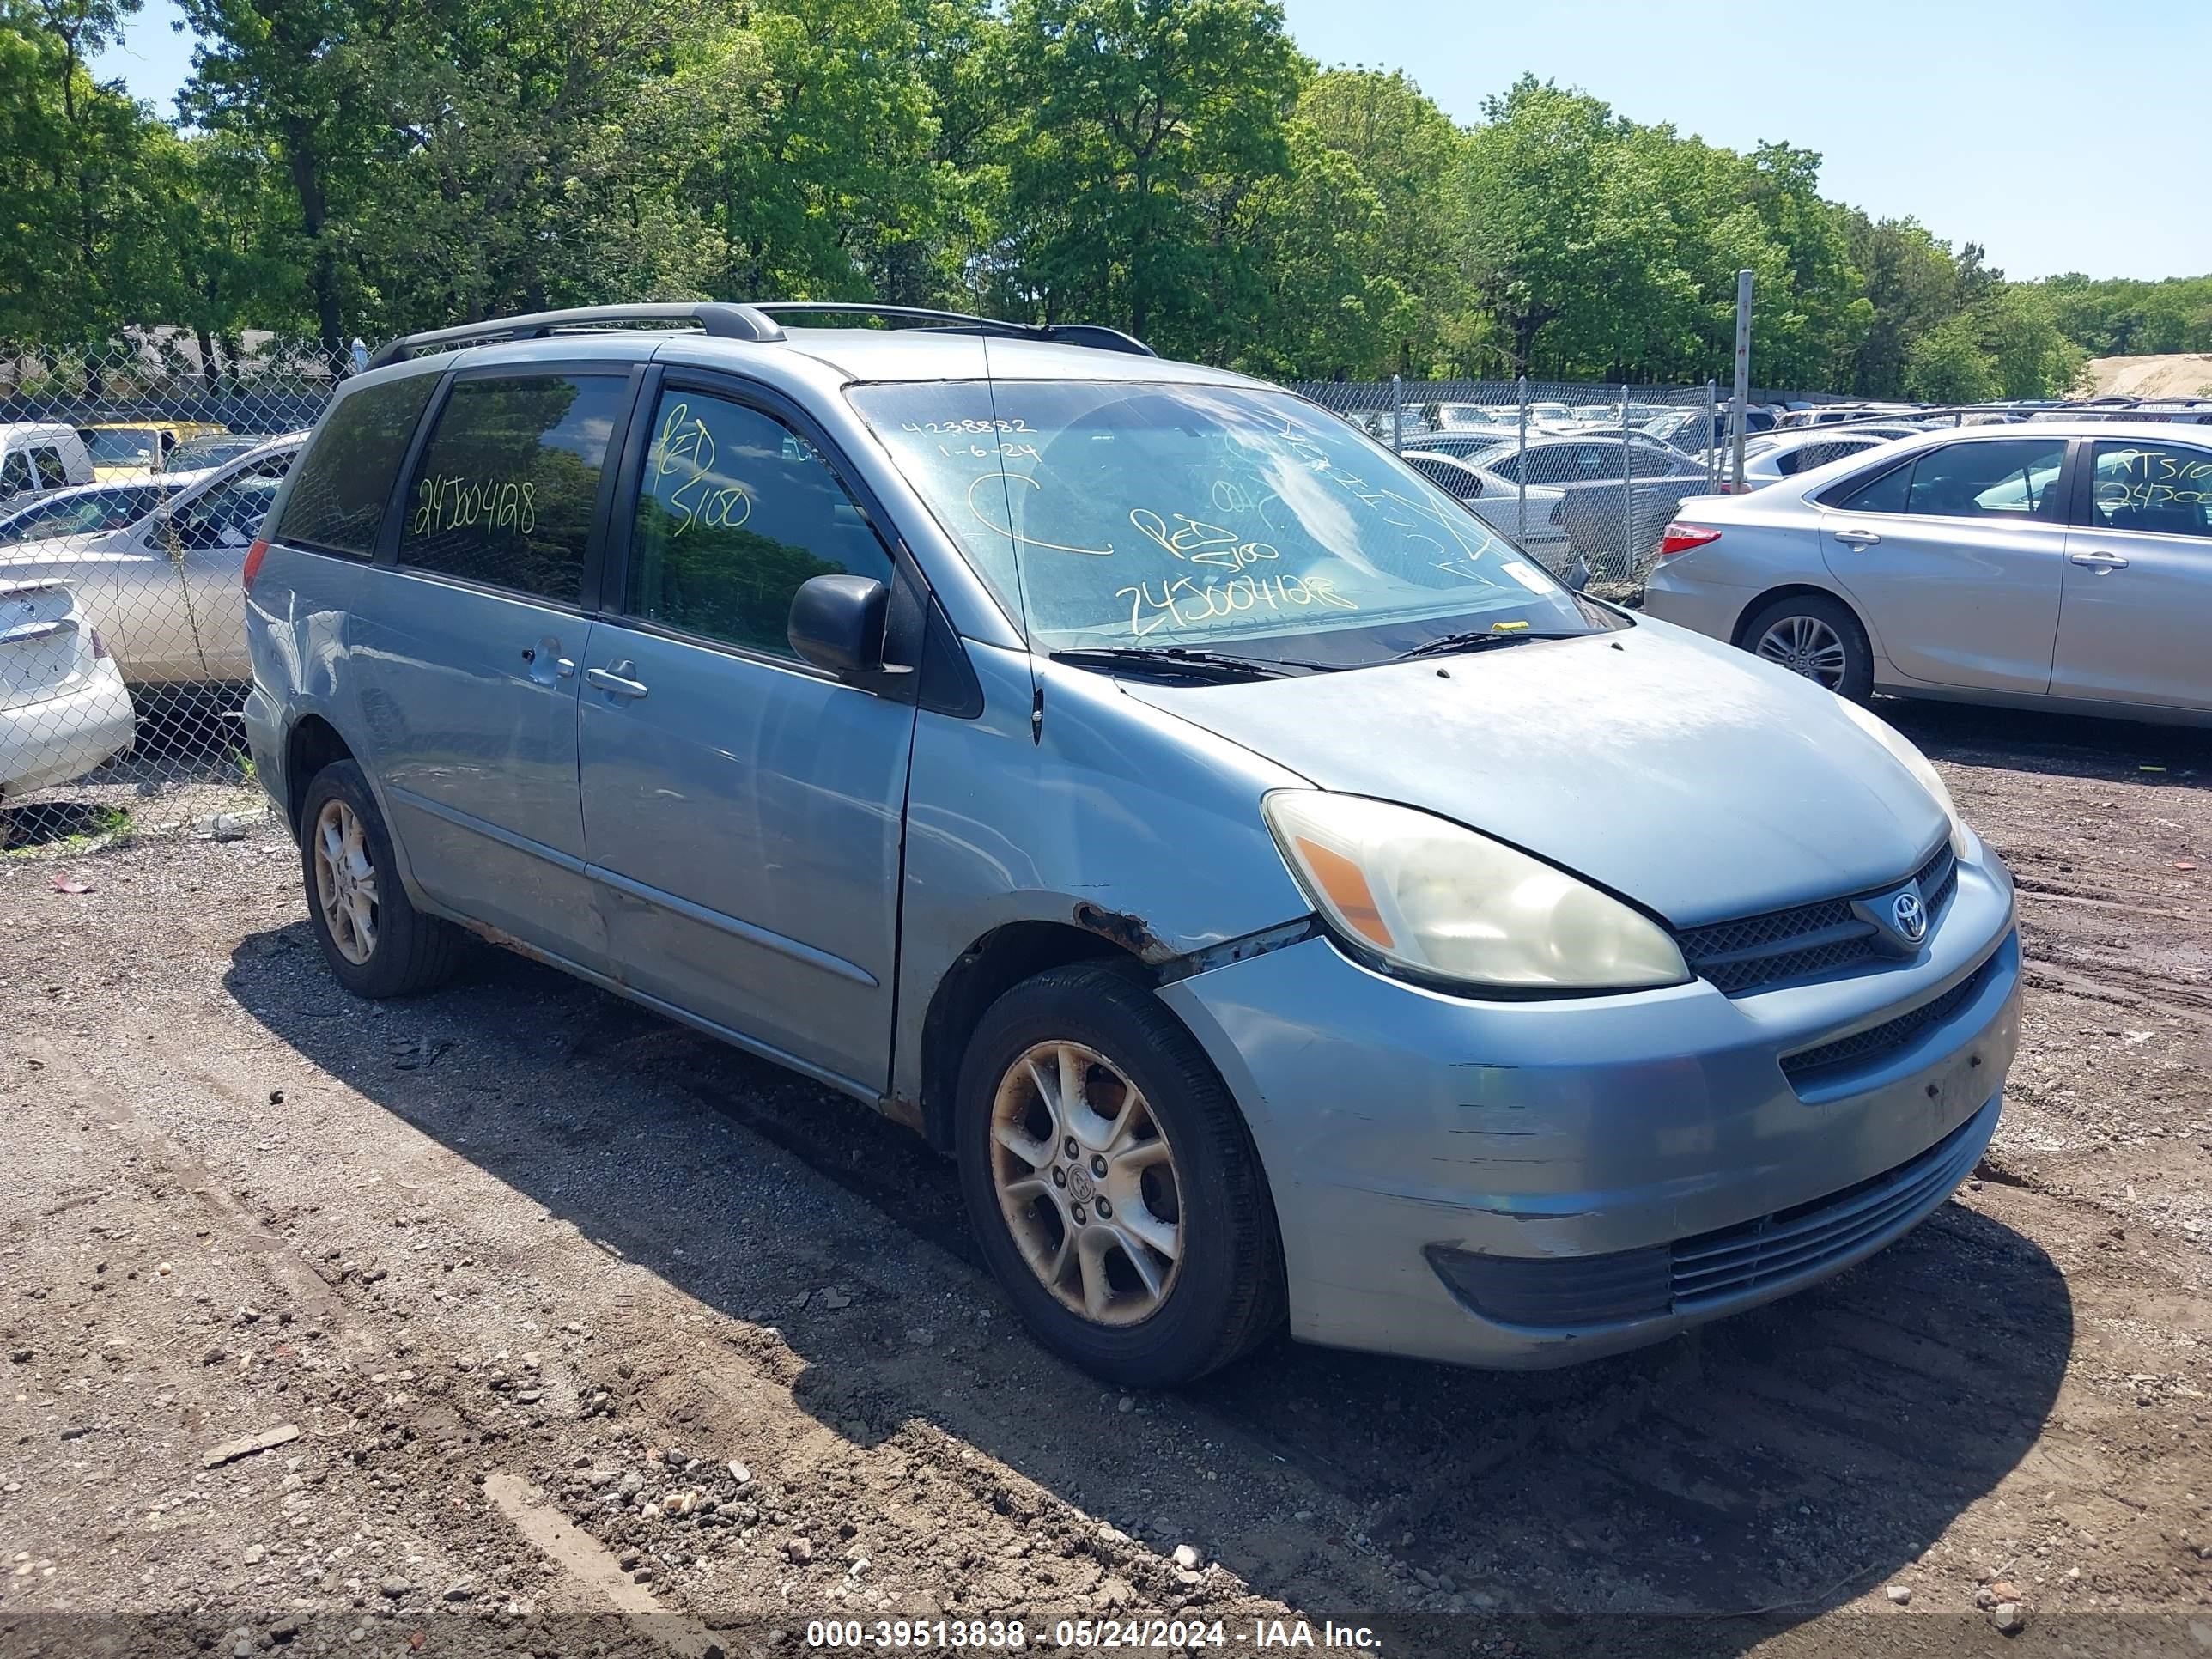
x: 2036, y: 740
x: 1739, y: 1480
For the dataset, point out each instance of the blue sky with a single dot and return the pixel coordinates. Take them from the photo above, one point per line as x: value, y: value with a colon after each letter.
x: 2062, y: 135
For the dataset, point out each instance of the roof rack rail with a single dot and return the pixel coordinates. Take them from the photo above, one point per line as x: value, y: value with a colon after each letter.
x: 751, y: 320
x: 722, y: 320
x: 1095, y: 335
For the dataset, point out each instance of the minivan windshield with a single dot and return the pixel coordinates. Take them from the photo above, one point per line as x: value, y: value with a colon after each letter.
x: 1116, y: 514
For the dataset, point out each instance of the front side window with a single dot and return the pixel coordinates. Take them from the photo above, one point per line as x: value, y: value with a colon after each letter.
x: 2009, y: 478
x: 15, y: 474
x: 230, y: 513
x: 345, y: 478
x: 736, y: 512
x: 2165, y: 489
x: 1241, y: 520
x: 508, y: 484
x: 52, y: 474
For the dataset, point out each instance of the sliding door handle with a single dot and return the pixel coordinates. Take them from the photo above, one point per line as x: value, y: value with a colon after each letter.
x: 615, y: 679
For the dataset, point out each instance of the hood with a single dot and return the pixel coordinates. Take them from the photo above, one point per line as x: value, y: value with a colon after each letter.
x: 1679, y: 772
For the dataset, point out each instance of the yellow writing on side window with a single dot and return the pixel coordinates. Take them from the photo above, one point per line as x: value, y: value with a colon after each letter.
x: 458, y: 503
x: 684, y: 449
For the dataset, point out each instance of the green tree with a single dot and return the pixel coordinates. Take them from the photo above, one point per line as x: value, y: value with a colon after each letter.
x: 1407, y: 153
x: 1947, y: 364
x: 1148, y: 122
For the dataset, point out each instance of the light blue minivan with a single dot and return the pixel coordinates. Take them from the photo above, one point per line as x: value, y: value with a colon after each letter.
x: 1287, y: 902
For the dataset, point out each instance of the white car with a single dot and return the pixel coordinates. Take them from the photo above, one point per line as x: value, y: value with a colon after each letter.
x: 40, y: 455
x: 1497, y: 501
x: 1780, y: 455
x: 164, y: 590
x: 63, y: 706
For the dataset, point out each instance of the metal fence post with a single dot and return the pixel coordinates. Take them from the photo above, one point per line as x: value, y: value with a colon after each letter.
x: 1627, y: 494
x: 1743, y: 373
x: 1521, y: 470
x: 1712, y: 440
x: 1397, y: 414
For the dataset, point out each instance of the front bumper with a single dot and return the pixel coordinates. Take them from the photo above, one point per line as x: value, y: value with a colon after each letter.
x: 1600, y: 1146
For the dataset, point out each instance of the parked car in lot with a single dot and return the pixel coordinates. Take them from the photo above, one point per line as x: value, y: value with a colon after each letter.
x: 82, y: 510
x: 1782, y: 455
x: 2054, y: 565
x: 1525, y: 518
x: 162, y: 588
x: 1283, y: 897
x: 125, y: 450
x: 36, y: 456
x: 195, y: 455
x: 63, y: 706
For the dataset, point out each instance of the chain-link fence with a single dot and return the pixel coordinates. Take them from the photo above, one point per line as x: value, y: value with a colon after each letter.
x: 134, y: 475
x: 1582, y: 477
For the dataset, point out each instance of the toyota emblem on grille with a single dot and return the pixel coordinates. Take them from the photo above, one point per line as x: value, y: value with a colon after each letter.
x: 1910, y: 917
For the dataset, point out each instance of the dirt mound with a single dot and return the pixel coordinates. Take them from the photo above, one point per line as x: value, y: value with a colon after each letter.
x: 2176, y: 375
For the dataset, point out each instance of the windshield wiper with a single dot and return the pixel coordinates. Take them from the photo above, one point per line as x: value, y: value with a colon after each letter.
x: 1476, y: 640
x: 1175, y: 659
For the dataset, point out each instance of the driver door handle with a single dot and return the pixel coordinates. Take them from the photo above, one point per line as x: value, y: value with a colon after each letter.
x: 2099, y: 562
x: 1858, y: 537
x: 615, y: 679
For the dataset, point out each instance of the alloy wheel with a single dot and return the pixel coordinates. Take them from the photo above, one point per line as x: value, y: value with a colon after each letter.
x: 1806, y: 646
x: 1087, y: 1182
x: 345, y: 881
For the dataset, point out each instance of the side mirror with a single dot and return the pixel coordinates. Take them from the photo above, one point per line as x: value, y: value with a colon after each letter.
x: 837, y: 623
x: 1578, y: 573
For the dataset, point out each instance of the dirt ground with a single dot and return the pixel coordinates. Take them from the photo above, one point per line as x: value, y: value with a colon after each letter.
x: 513, y: 1320
x: 2176, y: 375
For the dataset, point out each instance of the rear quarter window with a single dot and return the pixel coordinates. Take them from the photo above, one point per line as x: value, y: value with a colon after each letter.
x: 344, y: 480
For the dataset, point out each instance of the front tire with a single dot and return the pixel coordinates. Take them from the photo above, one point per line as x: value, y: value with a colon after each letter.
x: 376, y: 942
x: 1111, y: 1181
x: 1817, y: 636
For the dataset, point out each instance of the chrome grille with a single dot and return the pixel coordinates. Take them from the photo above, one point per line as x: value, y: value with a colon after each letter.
x: 1796, y: 1243
x: 1755, y: 952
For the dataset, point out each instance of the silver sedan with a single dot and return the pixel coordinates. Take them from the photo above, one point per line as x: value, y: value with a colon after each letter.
x: 163, y: 587
x: 2068, y: 565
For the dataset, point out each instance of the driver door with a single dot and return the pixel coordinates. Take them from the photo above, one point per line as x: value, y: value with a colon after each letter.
x: 206, y: 539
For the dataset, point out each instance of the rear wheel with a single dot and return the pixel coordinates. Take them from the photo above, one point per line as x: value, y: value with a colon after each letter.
x: 376, y: 942
x: 1814, y: 636
x: 1112, y: 1184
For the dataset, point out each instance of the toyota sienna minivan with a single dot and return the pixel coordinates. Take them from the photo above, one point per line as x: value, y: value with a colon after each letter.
x: 1287, y: 903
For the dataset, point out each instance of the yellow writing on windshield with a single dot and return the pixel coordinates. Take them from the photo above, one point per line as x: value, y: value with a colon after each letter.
x: 1199, y: 542
x: 1187, y: 601
x: 685, y: 449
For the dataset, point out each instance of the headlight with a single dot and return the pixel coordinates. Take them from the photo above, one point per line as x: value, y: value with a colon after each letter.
x: 1914, y: 762
x: 1429, y: 896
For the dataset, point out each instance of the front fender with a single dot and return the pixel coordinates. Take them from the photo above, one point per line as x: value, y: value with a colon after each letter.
x: 1115, y: 818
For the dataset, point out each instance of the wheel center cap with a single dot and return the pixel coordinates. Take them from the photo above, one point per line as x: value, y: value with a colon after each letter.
x: 1079, y: 1184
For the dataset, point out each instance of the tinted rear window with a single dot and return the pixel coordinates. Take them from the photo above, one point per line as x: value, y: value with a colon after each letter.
x: 345, y: 477
x: 508, y: 484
